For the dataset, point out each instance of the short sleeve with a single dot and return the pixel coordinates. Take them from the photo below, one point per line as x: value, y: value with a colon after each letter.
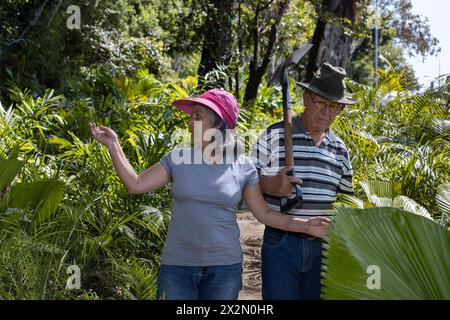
x: 346, y: 183
x: 261, y: 154
x: 167, y: 163
x: 251, y: 174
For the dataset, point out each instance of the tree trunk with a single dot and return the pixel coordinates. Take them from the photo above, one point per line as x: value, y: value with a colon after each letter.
x: 240, y: 50
x: 217, y: 36
x: 330, y: 43
x: 257, y: 70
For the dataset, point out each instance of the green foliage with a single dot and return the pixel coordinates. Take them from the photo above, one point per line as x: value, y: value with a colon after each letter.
x: 76, y: 211
x: 61, y: 202
x: 45, y: 195
x: 139, y: 276
x: 410, y: 254
x: 392, y: 134
x: 443, y: 199
x: 115, y: 37
x: 67, y: 206
x: 402, y: 33
x: 383, y: 194
x: 9, y: 168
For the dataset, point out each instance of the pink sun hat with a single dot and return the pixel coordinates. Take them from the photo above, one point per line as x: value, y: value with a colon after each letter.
x: 220, y: 101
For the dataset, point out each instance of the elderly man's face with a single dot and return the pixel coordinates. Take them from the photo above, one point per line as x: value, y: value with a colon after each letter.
x: 319, y: 112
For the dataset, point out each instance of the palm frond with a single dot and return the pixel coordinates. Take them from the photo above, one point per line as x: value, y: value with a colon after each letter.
x: 443, y: 198
x: 381, y: 189
x: 441, y: 126
x: 137, y: 278
x: 44, y: 195
x: 348, y: 201
x: 9, y: 168
x: 411, y: 253
x: 407, y: 204
x: 154, y: 221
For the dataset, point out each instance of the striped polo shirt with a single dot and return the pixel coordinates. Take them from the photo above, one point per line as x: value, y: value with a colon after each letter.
x: 325, y: 170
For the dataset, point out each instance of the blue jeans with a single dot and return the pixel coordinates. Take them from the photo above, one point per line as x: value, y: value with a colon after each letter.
x: 291, y: 266
x: 199, y: 283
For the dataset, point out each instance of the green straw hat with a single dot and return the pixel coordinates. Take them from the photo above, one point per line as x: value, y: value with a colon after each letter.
x: 328, y: 82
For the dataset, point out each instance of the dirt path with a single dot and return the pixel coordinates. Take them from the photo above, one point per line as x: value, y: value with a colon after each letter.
x: 251, y: 240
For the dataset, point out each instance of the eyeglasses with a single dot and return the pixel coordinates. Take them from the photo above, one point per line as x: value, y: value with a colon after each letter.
x: 334, y: 107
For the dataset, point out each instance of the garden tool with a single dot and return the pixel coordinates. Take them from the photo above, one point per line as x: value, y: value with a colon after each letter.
x: 281, y: 76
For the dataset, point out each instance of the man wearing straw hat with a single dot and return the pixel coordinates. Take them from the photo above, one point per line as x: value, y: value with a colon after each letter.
x: 291, y: 262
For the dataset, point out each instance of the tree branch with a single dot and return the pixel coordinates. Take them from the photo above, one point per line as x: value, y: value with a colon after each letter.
x: 273, y: 36
x: 33, y: 22
x: 54, y: 13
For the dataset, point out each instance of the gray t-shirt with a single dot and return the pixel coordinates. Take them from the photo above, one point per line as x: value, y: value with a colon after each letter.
x: 203, y: 230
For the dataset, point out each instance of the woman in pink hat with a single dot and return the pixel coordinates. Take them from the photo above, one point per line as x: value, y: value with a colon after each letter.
x: 202, y: 256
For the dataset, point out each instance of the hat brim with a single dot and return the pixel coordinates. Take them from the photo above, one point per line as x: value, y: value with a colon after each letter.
x: 343, y: 100
x: 186, y: 104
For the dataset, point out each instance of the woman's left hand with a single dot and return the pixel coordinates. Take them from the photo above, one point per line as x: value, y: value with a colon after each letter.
x: 318, y: 226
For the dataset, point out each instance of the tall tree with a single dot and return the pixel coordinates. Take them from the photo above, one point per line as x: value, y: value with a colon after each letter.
x: 412, y: 31
x: 217, y: 39
x: 264, y: 29
x: 331, y: 41
x: 344, y: 27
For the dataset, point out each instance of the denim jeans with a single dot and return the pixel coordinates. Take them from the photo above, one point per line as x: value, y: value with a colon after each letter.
x: 199, y: 283
x: 291, y: 266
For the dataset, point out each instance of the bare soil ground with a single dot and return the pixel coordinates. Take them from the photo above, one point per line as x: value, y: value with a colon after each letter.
x: 251, y: 241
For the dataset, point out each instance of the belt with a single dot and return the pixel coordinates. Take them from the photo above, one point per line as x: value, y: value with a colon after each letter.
x: 290, y: 233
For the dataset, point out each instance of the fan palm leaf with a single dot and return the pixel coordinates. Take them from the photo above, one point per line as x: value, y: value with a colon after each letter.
x: 411, y: 253
x: 388, y: 194
x: 45, y: 195
x: 9, y: 168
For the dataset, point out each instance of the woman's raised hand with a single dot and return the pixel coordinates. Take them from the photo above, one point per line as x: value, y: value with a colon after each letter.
x: 104, y: 135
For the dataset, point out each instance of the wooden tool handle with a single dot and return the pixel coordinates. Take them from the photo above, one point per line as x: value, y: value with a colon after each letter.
x: 288, y: 148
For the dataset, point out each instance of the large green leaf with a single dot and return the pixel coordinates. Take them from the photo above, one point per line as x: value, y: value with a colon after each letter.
x: 407, y: 204
x: 411, y: 252
x: 9, y: 168
x: 348, y: 201
x: 377, y: 190
x: 388, y: 194
x: 44, y: 195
